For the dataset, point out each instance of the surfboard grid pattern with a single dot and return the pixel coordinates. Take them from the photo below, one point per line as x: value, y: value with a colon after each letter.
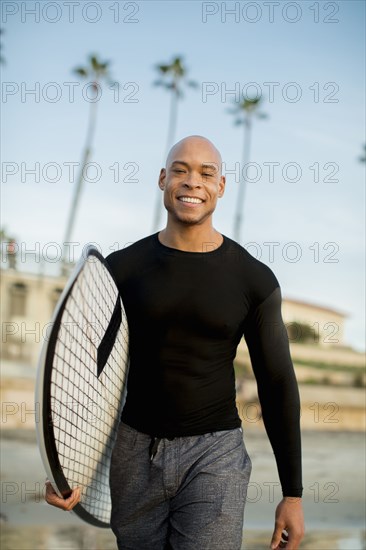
x: 85, y: 409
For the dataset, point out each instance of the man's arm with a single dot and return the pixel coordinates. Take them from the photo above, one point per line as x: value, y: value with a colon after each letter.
x: 268, y: 345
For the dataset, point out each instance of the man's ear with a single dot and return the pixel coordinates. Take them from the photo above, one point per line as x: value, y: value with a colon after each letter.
x: 162, y: 176
x: 222, y: 186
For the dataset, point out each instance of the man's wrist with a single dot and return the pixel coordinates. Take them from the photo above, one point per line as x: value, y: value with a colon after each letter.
x: 292, y: 499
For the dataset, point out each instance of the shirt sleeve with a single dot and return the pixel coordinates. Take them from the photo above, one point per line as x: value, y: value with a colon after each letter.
x: 268, y: 345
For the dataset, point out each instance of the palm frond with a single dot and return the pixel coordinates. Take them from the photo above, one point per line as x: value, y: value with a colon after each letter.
x: 95, y: 69
x: 81, y: 71
x: 173, y: 74
x: 163, y: 68
x: 94, y: 62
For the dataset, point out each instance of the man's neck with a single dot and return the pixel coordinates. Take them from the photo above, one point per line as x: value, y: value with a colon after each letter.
x: 191, y: 238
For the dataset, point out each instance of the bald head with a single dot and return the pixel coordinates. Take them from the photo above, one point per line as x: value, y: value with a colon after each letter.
x: 193, y: 171
x: 197, y: 146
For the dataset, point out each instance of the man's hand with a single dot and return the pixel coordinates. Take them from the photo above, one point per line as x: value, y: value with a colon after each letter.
x: 289, y: 516
x: 66, y: 504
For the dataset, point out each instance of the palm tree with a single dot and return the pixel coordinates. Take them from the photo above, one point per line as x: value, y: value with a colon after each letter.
x: 244, y: 112
x: 9, y: 252
x: 96, y: 71
x: 2, y: 59
x: 172, y: 77
x: 363, y: 158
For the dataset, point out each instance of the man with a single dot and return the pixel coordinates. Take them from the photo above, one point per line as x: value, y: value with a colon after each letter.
x: 180, y: 469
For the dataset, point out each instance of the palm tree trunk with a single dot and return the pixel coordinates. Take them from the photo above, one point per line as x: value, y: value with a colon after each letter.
x: 79, y: 185
x: 238, y: 221
x: 173, y: 116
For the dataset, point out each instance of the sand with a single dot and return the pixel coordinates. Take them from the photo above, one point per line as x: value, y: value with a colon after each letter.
x: 334, y: 496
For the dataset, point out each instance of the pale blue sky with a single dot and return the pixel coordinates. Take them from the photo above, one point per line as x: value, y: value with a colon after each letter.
x: 222, y: 54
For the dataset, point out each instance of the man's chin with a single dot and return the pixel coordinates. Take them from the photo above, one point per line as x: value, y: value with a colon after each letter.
x: 189, y: 220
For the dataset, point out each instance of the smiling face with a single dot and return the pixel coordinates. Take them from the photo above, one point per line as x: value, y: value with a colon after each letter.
x: 192, y: 180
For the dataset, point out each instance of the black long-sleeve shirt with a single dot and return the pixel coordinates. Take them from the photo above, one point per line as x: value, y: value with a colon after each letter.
x: 187, y: 312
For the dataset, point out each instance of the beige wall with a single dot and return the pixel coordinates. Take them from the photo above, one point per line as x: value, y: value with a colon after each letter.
x: 23, y: 332
x: 328, y: 325
x: 23, y: 335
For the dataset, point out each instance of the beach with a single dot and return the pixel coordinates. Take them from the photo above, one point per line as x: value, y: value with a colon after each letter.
x: 333, y: 480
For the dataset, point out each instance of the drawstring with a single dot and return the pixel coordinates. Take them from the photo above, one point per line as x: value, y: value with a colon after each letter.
x: 153, y: 449
x: 154, y: 446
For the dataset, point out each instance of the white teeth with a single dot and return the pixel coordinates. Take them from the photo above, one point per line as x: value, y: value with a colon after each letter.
x: 190, y: 199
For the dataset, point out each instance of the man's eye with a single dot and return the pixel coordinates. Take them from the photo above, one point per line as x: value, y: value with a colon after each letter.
x: 205, y: 174
x: 179, y: 171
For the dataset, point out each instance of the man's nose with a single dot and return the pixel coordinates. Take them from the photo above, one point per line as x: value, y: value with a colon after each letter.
x: 193, y: 180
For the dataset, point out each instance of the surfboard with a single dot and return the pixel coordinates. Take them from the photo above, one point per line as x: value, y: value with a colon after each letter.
x: 81, y: 386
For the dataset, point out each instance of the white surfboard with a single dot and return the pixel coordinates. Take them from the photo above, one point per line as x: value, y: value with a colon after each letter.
x: 81, y: 387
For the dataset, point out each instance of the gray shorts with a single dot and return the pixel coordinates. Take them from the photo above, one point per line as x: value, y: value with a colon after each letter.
x: 189, y: 496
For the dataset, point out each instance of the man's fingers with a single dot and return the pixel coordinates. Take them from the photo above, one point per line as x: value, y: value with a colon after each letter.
x: 294, y: 540
x: 73, y: 499
x: 276, y: 537
x: 66, y: 504
x: 49, y: 489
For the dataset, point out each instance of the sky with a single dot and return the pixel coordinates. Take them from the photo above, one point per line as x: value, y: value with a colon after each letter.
x: 304, y: 210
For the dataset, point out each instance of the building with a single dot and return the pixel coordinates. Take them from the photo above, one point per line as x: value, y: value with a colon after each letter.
x: 28, y: 301
x: 325, y: 325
